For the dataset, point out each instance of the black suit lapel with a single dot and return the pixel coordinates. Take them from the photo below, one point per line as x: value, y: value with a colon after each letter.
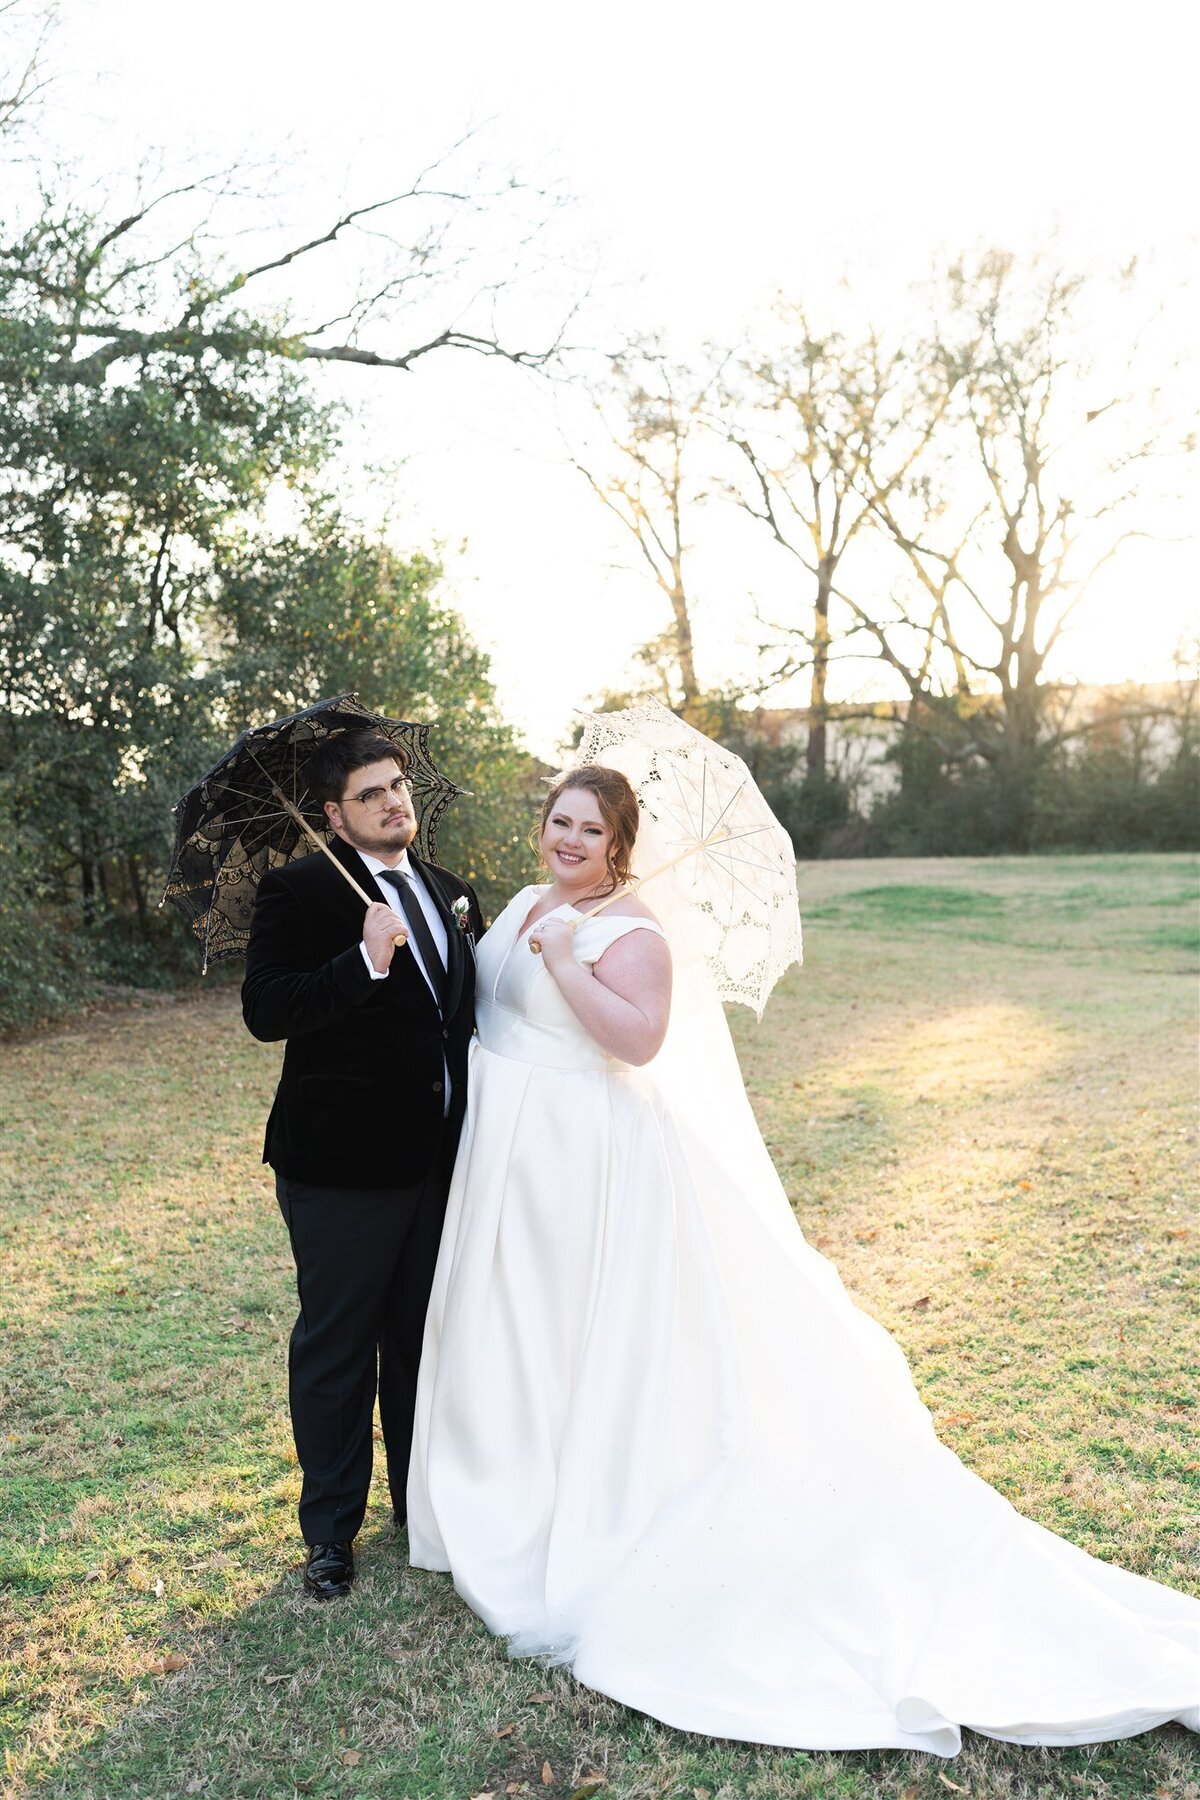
x: 455, y: 956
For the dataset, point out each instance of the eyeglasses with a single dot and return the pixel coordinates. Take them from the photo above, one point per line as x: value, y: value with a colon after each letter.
x: 376, y: 798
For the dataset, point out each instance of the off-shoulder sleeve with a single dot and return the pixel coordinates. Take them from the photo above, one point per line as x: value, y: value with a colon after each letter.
x: 595, y: 936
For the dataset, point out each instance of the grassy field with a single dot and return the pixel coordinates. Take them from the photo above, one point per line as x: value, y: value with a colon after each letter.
x: 981, y: 1094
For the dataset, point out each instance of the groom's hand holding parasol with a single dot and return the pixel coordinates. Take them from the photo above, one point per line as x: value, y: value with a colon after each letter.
x: 379, y: 926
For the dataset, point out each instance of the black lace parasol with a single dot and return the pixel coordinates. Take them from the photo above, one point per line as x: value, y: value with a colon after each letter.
x: 253, y: 812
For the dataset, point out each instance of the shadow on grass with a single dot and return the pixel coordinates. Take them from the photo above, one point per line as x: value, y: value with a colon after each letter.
x: 400, y: 1691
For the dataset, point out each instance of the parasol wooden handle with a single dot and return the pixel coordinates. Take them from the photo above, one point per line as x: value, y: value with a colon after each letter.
x: 318, y: 843
x: 632, y: 887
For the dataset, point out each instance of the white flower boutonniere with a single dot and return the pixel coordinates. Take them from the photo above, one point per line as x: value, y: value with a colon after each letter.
x: 461, y: 908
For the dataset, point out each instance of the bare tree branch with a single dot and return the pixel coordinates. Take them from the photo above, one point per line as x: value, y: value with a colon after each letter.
x: 22, y: 87
x: 652, y: 415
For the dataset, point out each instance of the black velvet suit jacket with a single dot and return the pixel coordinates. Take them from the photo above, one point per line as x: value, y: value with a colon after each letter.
x: 361, y: 1097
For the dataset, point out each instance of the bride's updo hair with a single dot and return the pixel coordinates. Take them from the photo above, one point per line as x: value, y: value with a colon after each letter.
x: 618, y: 808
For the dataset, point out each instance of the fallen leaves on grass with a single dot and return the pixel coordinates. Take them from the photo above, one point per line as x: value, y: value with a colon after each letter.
x: 540, y: 1699
x: 504, y: 1731
x: 547, y: 1775
x: 918, y: 1305
x: 351, y: 1758
x: 589, y: 1785
x: 169, y: 1664
x: 946, y: 1782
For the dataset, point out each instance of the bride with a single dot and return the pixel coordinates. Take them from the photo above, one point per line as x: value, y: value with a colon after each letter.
x: 655, y: 1439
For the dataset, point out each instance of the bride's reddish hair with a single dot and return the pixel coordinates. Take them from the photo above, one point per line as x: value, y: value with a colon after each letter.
x: 618, y: 808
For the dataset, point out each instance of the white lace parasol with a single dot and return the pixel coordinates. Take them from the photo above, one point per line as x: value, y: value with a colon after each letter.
x: 726, y: 863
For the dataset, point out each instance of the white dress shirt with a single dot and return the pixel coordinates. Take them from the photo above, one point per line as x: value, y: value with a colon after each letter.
x: 433, y: 919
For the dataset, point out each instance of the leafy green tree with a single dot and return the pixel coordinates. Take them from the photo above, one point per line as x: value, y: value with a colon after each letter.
x: 154, y: 405
x: 144, y: 580
x: 325, y: 610
x: 116, y: 500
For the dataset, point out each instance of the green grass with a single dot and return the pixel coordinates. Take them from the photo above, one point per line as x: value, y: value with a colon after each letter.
x: 980, y: 1092
x: 909, y: 903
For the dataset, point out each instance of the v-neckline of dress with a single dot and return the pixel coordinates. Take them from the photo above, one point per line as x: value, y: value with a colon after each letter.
x: 519, y: 937
x: 563, y: 906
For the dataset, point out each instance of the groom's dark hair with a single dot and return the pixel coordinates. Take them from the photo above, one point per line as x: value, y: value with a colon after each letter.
x: 332, y: 763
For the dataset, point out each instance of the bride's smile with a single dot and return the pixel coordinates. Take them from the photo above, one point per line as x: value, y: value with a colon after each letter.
x: 575, y: 845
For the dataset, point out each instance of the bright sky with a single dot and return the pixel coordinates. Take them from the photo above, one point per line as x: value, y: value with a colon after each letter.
x: 716, y: 154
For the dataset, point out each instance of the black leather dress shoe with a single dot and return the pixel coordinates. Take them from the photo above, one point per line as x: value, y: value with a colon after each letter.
x: 329, y: 1572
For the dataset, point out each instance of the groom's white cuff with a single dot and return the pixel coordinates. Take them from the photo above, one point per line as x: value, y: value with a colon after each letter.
x: 372, y: 971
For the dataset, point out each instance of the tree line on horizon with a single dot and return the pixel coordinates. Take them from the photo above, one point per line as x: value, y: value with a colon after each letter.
x: 939, y: 499
x: 176, y: 564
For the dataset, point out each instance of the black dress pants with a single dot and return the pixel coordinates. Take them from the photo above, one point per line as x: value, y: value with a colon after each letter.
x: 364, y: 1267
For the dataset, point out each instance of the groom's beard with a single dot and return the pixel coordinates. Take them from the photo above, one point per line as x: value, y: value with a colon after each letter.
x: 382, y: 840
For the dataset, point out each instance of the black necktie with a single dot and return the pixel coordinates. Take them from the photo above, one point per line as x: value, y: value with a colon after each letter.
x: 419, y: 926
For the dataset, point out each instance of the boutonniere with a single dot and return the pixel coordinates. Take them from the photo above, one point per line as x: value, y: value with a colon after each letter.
x: 461, y: 908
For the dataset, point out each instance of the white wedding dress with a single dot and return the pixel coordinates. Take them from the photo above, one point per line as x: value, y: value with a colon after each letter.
x: 657, y: 1441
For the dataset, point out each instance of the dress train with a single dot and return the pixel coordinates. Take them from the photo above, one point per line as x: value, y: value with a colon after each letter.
x: 656, y: 1440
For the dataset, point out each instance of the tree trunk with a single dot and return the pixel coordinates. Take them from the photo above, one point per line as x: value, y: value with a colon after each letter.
x: 683, y: 641
x: 139, y: 897
x: 87, y: 882
x: 815, y: 755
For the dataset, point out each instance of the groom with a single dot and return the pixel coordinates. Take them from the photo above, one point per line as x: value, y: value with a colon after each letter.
x: 377, y: 1007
